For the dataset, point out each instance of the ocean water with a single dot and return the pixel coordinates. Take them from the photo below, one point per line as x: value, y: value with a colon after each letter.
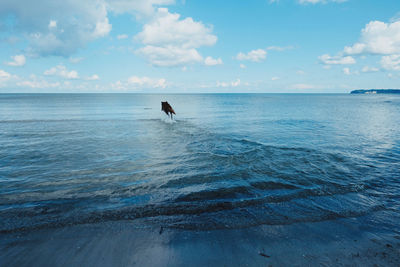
x: 225, y: 161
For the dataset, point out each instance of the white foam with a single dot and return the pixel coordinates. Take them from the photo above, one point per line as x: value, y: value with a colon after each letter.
x: 167, y: 119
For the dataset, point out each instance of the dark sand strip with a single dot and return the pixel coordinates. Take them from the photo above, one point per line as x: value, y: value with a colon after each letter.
x: 343, y: 242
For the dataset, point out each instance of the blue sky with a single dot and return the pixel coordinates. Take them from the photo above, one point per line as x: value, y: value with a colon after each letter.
x: 277, y: 46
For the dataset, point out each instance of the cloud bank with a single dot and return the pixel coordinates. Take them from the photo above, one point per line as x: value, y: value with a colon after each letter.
x: 172, y: 41
x: 61, y: 28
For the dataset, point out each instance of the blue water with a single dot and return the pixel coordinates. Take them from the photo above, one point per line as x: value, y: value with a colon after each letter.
x: 226, y: 161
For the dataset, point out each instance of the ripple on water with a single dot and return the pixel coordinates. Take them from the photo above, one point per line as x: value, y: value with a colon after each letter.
x: 189, y: 178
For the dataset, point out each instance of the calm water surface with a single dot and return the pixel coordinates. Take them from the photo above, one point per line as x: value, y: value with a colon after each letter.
x: 227, y: 161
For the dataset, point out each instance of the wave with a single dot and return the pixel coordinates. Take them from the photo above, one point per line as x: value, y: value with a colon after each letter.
x: 203, y: 215
x: 194, y: 178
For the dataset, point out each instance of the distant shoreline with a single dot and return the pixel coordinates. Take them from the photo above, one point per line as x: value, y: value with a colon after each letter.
x: 376, y: 91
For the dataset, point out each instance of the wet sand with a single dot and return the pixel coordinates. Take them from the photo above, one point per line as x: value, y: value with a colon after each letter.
x: 343, y: 242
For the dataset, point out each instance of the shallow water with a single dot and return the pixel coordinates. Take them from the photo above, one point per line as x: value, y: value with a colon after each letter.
x: 226, y: 161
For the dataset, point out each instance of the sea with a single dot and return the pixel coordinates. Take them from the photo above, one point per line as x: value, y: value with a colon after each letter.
x: 225, y: 161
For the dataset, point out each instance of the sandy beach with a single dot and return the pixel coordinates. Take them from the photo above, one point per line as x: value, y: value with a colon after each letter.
x: 343, y: 242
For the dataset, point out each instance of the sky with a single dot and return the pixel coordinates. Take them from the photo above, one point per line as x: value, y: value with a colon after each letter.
x: 207, y: 46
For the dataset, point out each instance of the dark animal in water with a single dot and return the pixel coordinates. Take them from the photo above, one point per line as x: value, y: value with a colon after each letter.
x: 167, y: 108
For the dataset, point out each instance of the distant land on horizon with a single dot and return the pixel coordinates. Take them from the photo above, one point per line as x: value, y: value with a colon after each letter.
x: 376, y: 91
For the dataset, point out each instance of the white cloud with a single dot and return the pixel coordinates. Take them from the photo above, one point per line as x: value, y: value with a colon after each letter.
x: 63, y: 28
x: 170, y: 55
x: 102, y: 28
x: 242, y: 66
x: 254, y: 55
x: 75, y: 60
x: 168, y: 29
x: 57, y: 29
x: 235, y: 83
x: 122, y: 36
x: 209, y: 61
x: 136, y: 7
x: 222, y: 84
x: 320, y: 1
x: 135, y: 83
x: 36, y: 83
x: 346, y: 71
x: 18, y: 61
x: 118, y: 85
x: 94, y: 77
x: 391, y: 62
x: 369, y: 69
x: 275, y: 78
x: 52, y: 24
x: 171, y: 41
x: 377, y: 38
x: 6, y: 78
x: 147, y: 82
x: 4, y: 75
x: 61, y: 71
x: 337, y: 60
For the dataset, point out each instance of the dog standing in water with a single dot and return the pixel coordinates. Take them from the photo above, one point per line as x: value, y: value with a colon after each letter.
x: 167, y: 108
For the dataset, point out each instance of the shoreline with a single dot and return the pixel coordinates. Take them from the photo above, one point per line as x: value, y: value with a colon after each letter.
x: 127, y: 243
